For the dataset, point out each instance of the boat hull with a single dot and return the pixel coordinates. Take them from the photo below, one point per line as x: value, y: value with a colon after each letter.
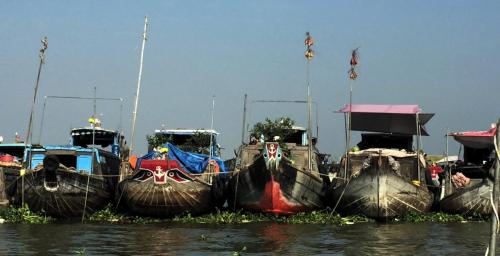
x: 11, y: 176
x: 470, y: 201
x: 286, y: 190
x: 166, y: 200
x: 163, y: 188
x: 378, y: 192
x: 67, y: 198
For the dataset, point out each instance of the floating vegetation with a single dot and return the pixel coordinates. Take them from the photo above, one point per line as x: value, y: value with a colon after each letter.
x: 222, y: 217
x: 315, y: 217
x: 439, y: 217
x: 80, y: 251
x: 109, y: 215
x: 238, y: 253
x: 322, y: 217
x: 23, y: 214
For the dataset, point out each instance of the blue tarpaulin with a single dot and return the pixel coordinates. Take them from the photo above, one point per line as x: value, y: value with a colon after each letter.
x: 192, y: 162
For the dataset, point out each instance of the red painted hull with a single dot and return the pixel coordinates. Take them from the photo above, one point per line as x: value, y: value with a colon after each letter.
x: 285, y: 191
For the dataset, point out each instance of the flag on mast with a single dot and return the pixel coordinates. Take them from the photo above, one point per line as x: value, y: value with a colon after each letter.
x: 354, y: 62
x: 309, y: 54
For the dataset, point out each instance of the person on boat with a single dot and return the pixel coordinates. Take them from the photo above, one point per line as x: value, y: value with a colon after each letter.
x: 253, y: 140
x: 434, y: 171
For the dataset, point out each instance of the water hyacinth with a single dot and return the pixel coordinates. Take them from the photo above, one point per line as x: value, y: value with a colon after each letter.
x: 23, y: 214
x: 437, y: 217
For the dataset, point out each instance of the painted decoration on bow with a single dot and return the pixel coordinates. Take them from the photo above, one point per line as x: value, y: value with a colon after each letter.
x: 161, y: 171
x: 272, y: 155
x: 159, y: 175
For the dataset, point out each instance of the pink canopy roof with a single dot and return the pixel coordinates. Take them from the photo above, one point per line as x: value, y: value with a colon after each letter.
x: 388, y: 109
x: 475, y: 139
x: 398, y: 119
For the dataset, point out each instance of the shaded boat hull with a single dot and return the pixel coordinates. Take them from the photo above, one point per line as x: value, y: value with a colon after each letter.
x: 470, y: 201
x: 380, y: 193
x: 11, y: 176
x: 286, y: 190
x: 166, y: 200
x: 162, y: 188
x: 68, y: 197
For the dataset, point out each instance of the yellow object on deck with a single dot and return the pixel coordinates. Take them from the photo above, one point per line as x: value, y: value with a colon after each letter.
x: 416, y: 183
x: 22, y: 172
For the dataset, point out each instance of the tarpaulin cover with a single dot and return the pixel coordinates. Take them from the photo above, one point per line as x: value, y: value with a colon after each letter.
x: 398, y: 119
x: 192, y: 162
x: 475, y: 139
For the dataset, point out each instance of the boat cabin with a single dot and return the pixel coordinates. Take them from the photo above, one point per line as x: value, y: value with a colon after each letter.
x: 108, y: 140
x: 190, y: 140
x: 385, y: 140
x: 11, y: 153
x: 297, y: 135
x: 85, y: 160
x: 478, y: 153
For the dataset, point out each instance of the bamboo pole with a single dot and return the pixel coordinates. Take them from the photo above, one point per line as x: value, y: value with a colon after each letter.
x: 244, y: 120
x: 494, y: 214
x: 41, y: 55
x: 134, y: 114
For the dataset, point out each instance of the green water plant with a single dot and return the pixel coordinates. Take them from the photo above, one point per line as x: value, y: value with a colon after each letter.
x: 238, y: 217
x: 109, y: 215
x: 437, y: 217
x: 240, y: 252
x: 221, y: 217
x: 23, y: 214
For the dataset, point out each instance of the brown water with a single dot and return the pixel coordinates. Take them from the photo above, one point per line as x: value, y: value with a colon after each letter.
x: 258, y: 238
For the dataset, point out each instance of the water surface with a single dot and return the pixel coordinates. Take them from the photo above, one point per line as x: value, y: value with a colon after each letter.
x: 258, y: 238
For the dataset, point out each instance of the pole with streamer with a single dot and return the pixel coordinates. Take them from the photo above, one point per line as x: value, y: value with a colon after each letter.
x: 309, y: 54
x: 41, y: 55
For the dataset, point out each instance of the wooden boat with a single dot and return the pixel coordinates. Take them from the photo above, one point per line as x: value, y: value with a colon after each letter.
x: 384, y: 177
x: 270, y: 177
x: 68, y: 181
x: 473, y: 197
x: 169, y: 181
x: 11, y: 159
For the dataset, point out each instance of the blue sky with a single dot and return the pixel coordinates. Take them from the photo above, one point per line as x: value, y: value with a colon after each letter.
x: 442, y: 55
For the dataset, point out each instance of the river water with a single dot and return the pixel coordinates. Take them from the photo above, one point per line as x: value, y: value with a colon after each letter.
x: 258, y: 238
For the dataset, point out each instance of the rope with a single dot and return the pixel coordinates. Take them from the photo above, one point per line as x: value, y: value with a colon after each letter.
x: 236, y: 190
x: 86, y: 197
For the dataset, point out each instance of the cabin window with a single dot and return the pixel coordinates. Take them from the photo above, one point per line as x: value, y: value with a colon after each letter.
x: 84, y: 163
x: 67, y: 160
x: 36, y: 159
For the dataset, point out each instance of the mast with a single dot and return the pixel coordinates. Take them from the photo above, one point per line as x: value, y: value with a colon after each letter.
x: 352, y: 76
x: 494, y: 196
x: 212, y: 126
x: 418, y: 145
x: 41, y: 55
x: 134, y: 114
x: 309, y: 54
x: 244, y: 119
x: 42, y: 61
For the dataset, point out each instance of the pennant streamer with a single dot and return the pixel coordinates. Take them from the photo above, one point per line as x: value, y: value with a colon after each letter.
x: 309, y: 54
